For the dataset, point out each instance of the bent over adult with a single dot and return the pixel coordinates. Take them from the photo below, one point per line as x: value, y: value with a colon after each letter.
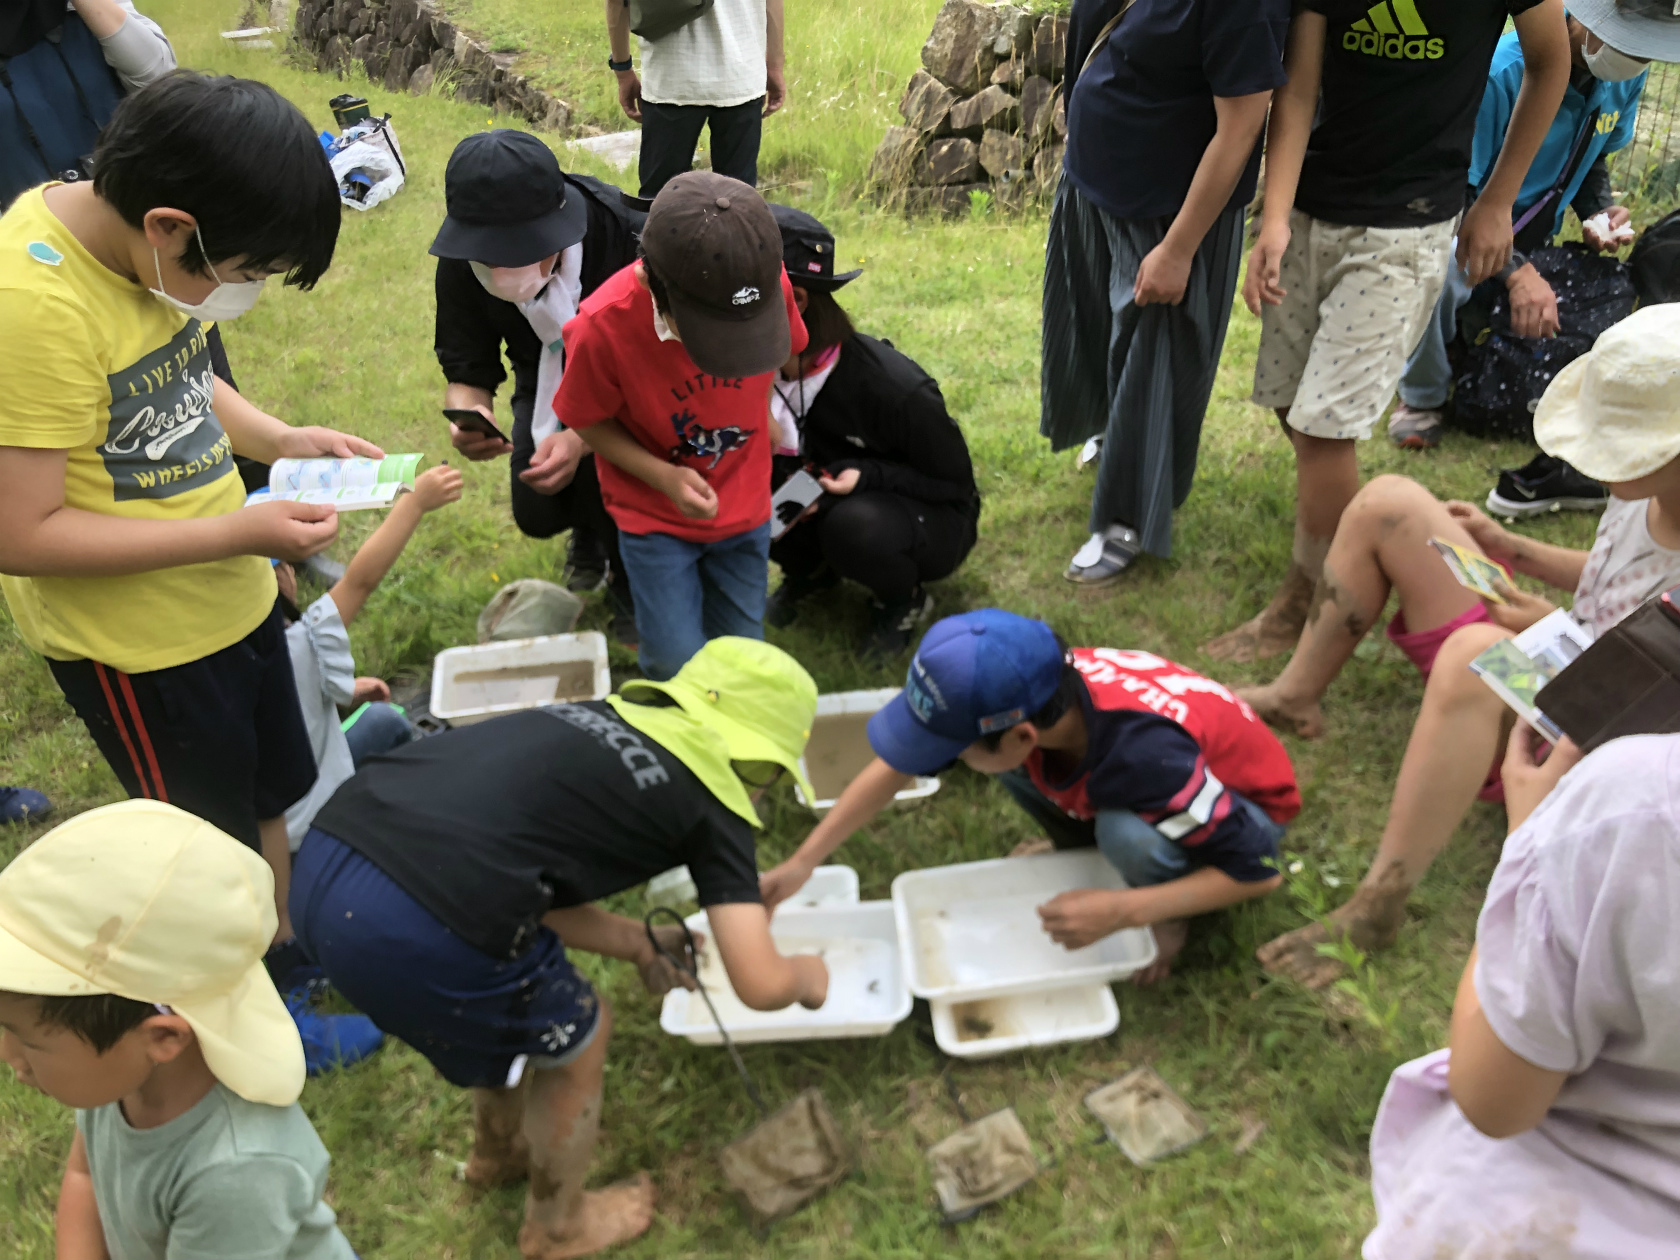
x: 899, y: 505
x: 1165, y: 99
x: 521, y: 246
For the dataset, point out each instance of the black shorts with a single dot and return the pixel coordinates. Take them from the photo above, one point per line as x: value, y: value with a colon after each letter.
x: 221, y: 737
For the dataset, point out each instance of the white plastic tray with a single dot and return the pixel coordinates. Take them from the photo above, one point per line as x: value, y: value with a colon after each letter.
x: 984, y: 1027
x: 485, y: 680
x: 972, y: 930
x: 828, y: 886
x: 838, y: 747
x: 866, y: 993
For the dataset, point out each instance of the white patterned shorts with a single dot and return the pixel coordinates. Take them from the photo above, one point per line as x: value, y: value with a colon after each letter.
x: 1356, y: 304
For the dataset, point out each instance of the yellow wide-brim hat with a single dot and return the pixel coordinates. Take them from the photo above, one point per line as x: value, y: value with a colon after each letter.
x: 148, y: 902
x: 1614, y: 413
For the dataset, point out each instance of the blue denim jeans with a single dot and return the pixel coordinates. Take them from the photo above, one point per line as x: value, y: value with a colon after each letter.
x: 1427, y: 379
x: 688, y: 592
x: 1132, y: 845
x: 378, y: 728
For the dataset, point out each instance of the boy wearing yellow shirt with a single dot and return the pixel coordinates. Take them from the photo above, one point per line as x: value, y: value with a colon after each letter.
x: 129, y: 560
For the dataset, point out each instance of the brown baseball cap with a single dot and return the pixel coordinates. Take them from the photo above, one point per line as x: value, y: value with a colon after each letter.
x: 715, y: 246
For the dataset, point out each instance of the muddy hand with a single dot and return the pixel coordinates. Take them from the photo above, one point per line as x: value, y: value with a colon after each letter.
x: 659, y: 974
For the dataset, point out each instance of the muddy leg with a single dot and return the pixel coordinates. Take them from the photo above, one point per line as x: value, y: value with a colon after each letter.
x: 562, y: 1119
x: 499, y: 1155
x: 1326, y: 479
x: 1458, y: 732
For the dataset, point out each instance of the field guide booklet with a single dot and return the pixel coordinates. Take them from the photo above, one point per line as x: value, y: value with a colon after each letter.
x: 345, y: 484
x: 1517, y: 668
x: 1472, y: 569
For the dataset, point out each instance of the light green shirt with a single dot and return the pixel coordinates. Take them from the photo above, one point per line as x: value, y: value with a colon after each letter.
x: 227, y: 1180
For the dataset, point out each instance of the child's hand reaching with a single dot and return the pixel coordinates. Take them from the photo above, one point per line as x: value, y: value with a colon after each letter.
x: 692, y: 494
x: 370, y: 691
x: 1497, y: 543
x: 1084, y: 916
x: 437, y: 487
x: 1520, y: 610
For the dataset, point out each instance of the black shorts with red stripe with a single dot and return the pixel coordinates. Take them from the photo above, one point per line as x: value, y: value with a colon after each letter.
x: 221, y: 737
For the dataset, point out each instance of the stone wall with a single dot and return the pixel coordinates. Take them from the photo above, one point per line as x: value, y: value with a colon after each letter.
x: 410, y: 44
x: 982, y: 115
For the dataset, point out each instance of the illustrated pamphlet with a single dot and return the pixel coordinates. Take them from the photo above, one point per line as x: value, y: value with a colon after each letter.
x: 345, y: 484
x: 1473, y: 570
x: 1517, y: 668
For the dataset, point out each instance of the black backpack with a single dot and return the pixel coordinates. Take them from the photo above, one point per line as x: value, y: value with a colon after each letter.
x: 1498, y: 377
x: 1655, y: 261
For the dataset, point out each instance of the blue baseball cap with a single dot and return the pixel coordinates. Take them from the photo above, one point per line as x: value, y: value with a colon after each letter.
x: 973, y: 675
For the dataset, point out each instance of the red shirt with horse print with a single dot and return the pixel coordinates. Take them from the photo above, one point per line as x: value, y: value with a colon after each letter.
x: 618, y: 367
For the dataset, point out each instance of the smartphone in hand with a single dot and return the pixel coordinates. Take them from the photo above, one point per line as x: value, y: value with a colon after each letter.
x: 473, y: 421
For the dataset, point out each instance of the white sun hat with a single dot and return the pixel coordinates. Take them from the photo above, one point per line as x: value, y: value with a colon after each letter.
x: 1614, y: 413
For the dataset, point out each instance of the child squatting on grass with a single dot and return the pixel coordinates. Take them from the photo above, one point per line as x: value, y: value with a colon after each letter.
x: 438, y: 884
x: 1614, y: 413
x: 131, y: 948
x: 1169, y: 774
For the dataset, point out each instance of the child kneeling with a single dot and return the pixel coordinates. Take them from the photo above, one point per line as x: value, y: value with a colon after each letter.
x: 132, y: 988
x: 1173, y: 777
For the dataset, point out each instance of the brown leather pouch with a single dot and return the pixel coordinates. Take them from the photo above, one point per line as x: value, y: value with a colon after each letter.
x: 1626, y: 683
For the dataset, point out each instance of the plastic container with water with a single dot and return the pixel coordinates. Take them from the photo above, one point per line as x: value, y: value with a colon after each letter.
x: 839, y: 747
x: 972, y: 930
x: 866, y: 992
x: 486, y: 680
x: 980, y: 1028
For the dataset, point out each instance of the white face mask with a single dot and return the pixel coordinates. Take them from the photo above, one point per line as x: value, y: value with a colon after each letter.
x: 514, y: 284
x: 225, y: 301
x: 1611, y: 65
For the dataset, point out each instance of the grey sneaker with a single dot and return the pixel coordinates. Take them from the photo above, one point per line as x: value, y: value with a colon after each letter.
x: 1104, y: 557
x: 1414, y: 428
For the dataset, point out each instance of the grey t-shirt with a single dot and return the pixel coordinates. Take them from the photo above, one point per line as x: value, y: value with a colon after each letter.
x: 325, y: 672
x: 227, y: 1180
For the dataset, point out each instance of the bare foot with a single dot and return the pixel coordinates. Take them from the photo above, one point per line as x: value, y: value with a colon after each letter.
x: 1371, y: 920
x: 1170, y: 935
x: 1038, y: 844
x: 1278, y: 626
x: 604, y: 1219
x: 1303, y: 718
x: 485, y: 1172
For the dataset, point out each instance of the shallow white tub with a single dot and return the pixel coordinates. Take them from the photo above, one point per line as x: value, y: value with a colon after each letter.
x: 866, y: 993
x: 839, y: 747
x: 973, y: 931
x: 979, y: 1028
x: 486, y: 680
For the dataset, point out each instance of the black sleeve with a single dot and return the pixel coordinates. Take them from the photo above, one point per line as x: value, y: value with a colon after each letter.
x: 1594, y: 194
x: 722, y: 858
x: 468, y: 347
x: 933, y: 464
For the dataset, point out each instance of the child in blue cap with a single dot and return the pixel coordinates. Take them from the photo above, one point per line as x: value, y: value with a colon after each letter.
x: 1170, y: 774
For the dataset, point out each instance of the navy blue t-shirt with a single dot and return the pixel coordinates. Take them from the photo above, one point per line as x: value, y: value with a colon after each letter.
x: 1141, y: 116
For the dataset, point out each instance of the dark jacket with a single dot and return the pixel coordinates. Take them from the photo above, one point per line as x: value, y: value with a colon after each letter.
x: 473, y: 326
x: 54, y: 100
x: 880, y: 413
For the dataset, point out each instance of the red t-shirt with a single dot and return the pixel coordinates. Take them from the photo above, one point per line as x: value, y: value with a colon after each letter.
x: 617, y: 368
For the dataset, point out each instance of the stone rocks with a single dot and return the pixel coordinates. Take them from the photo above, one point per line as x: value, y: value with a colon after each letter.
x: 1037, y: 106
x: 926, y: 105
x: 958, y: 51
x: 407, y: 44
x: 992, y: 107
x: 1049, y: 46
x: 951, y: 161
x: 1047, y: 167
x: 1000, y: 152
x: 894, y: 163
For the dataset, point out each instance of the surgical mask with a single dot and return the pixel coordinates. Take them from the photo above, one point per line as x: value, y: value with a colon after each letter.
x: 225, y: 301
x: 514, y: 284
x: 1611, y: 65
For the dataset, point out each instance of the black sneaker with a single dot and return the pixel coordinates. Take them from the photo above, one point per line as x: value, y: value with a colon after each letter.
x: 586, y: 563
x: 783, y: 605
x: 891, y: 625
x: 1544, y: 484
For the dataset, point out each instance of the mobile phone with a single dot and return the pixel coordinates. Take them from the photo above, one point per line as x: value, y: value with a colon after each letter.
x: 473, y: 421
x: 797, y: 493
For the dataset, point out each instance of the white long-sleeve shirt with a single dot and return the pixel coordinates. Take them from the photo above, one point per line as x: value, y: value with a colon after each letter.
x: 138, y: 50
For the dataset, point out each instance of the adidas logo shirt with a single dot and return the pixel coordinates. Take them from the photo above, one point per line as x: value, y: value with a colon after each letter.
x: 1402, y: 81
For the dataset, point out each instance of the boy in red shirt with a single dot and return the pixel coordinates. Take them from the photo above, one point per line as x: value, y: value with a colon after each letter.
x: 668, y: 372
x: 1170, y: 774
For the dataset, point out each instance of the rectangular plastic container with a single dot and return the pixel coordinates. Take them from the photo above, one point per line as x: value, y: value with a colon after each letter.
x: 839, y: 747
x: 828, y: 886
x: 983, y: 1027
x: 972, y: 930
x: 486, y: 680
x: 866, y: 993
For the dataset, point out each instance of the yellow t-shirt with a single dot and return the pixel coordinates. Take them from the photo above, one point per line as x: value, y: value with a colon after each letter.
x: 95, y: 365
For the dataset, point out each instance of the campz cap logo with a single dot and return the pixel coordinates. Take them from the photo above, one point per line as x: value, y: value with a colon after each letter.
x: 746, y: 295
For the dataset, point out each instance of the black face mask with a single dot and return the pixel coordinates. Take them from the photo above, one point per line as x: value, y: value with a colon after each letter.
x: 25, y: 23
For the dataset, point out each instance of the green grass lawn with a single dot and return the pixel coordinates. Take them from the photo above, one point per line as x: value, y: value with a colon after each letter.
x: 962, y: 298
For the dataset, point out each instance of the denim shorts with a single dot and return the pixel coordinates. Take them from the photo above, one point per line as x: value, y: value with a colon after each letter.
x: 479, y: 1019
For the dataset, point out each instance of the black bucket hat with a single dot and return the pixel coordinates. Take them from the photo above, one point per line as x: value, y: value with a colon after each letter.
x: 507, y: 202
x: 808, y: 251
